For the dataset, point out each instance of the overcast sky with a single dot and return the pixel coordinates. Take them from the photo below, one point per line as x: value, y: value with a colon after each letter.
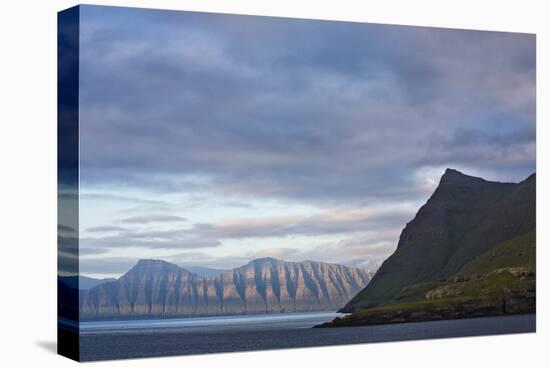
x: 212, y: 139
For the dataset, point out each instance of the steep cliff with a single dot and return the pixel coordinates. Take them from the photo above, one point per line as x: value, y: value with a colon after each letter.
x: 464, y: 218
x: 156, y: 288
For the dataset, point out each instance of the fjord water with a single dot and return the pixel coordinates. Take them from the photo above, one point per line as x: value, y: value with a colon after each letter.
x: 151, y: 338
x: 209, y: 324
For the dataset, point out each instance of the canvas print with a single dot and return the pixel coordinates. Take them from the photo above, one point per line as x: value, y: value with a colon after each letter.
x: 232, y: 183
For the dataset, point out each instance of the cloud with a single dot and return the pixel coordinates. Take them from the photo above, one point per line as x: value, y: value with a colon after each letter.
x: 70, y: 248
x: 148, y: 240
x: 87, y: 251
x: 345, y: 112
x: 357, y: 121
x: 336, y: 221
x: 365, y: 251
x: 120, y: 198
x: 110, y: 265
x: 204, y: 235
x: 102, y: 229
x: 276, y: 252
x: 151, y: 218
x: 120, y: 265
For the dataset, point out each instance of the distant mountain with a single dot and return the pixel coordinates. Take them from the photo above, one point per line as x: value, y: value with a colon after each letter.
x: 204, y: 271
x: 469, y: 251
x: 156, y: 288
x: 83, y: 282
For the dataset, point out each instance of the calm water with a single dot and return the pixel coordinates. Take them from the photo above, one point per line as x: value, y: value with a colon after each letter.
x: 150, y: 338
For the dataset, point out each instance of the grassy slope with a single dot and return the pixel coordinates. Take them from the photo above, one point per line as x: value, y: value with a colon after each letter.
x: 457, y: 225
x: 482, y: 281
x: 518, y: 252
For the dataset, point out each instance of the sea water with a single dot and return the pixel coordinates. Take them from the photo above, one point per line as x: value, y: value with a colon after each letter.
x: 150, y: 338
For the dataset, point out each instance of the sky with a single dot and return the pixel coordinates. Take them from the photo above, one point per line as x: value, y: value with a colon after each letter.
x: 211, y: 139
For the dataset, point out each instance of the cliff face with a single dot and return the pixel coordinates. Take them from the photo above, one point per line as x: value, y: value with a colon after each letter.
x: 155, y: 288
x: 464, y: 218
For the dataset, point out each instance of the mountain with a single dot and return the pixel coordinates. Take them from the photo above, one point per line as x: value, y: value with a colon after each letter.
x: 465, y: 217
x: 83, y: 282
x: 158, y: 289
x: 469, y: 251
x: 204, y: 271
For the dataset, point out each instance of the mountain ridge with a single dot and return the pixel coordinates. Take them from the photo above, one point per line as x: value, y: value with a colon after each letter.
x: 156, y: 288
x: 463, y: 218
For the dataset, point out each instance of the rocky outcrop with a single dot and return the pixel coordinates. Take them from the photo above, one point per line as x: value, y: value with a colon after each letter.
x: 512, y: 303
x: 158, y: 289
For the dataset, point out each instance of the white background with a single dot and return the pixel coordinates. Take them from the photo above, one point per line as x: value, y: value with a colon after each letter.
x: 28, y: 182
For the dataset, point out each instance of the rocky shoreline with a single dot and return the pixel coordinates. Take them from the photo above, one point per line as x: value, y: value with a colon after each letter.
x: 512, y: 303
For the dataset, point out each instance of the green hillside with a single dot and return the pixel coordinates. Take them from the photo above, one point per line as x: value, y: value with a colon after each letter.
x: 465, y: 217
x: 470, y: 251
x: 518, y: 252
